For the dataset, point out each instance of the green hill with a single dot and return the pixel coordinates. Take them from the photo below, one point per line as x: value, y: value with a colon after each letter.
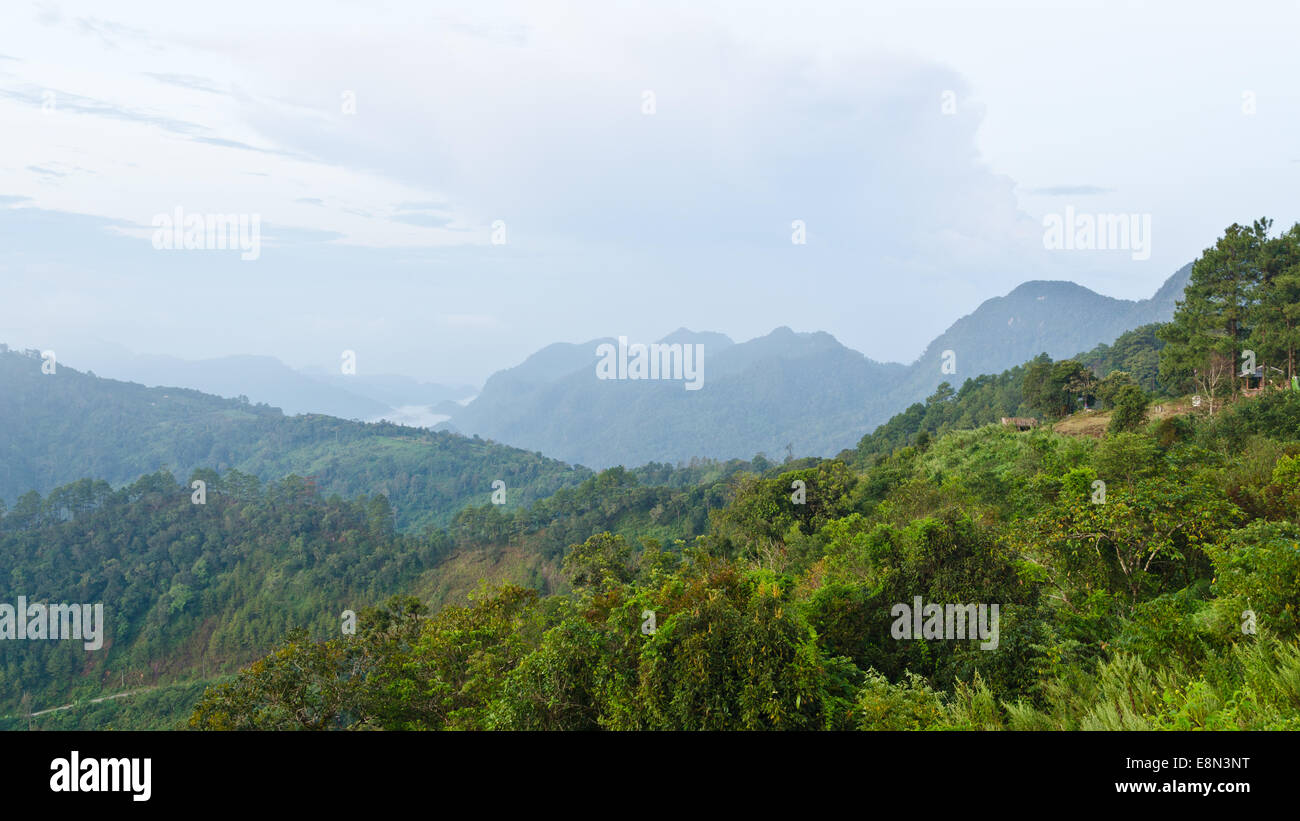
x: 193, y: 591
x: 1167, y: 603
x: 69, y: 425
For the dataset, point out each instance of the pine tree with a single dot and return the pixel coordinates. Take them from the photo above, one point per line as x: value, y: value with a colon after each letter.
x: 1276, y: 320
x: 1213, y: 321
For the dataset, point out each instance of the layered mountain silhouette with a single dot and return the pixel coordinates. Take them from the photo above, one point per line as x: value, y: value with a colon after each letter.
x: 803, y: 393
x: 799, y: 393
x: 555, y: 400
x: 267, y: 380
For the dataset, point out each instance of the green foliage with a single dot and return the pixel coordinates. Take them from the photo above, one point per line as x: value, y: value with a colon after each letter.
x: 1171, y: 627
x: 189, y: 587
x: 763, y: 513
x: 1039, y: 386
x: 1135, y: 354
x: 1257, y: 568
x: 907, y: 705
x: 738, y: 595
x: 1130, y: 404
x: 736, y: 653
x: 600, y: 564
x: 556, y: 686
x: 1057, y: 389
x: 1242, y: 293
x: 1118, y: 611
x: 981, y: 400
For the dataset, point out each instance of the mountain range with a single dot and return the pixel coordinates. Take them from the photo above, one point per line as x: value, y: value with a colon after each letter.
x: 786, y: 392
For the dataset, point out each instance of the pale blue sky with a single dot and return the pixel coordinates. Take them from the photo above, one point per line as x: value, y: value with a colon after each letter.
x: 376, y: 225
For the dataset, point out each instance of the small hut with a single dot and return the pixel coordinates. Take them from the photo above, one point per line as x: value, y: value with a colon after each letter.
x: 1020, y: 422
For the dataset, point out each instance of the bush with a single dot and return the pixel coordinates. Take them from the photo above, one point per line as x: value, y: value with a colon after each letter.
x: 908, y: 705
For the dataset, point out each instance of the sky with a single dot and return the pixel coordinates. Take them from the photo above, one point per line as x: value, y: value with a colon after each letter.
x: 444, y: 188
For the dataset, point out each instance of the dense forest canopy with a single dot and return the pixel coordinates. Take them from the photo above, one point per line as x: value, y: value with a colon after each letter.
x: 194, y: 590
x: 1170, y: 605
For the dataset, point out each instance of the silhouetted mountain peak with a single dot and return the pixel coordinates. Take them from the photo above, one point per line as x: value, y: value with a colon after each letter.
x: 711, y: 339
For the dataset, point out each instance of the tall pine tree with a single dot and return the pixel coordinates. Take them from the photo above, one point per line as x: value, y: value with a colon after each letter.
x: 1275, y: 334
x: 1213, y: 321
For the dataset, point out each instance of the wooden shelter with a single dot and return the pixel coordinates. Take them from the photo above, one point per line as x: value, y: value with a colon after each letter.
x: 1020, y: 422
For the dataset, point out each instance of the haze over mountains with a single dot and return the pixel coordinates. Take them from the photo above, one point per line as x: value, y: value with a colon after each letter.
x: 1058, y: 318
x: 267, y: 380
x: 802, y: 393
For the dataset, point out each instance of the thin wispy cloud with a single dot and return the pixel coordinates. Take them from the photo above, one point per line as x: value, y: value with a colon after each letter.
x: 1070, y: 190
x: 187, y: 81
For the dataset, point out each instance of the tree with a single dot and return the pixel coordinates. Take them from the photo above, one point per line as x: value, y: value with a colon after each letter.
x: 941, y: 394
x: 26, y: 513
x: 1212, y: 323
x: 556, y: 687
x: 601, y: 563
x: 1258, y: 568
x: 1076, y: 380
x: 1275, y: 335
x: 1151, y: 526
x: 1136, y: 352
x: 1108, y: 388
x: 1053, y: 389
x: 1130, y: 409
x: 303, y: 685
x: 736, y: 653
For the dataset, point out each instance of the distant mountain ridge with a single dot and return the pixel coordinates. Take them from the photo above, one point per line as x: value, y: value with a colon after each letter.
x: 267, y: 380
x: 645, y: 421
x: 1041, y: 316
x: 804, y: 393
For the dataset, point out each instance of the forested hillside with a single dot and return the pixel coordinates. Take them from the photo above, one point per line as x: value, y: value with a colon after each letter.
x: 191, y: 588
x: 769, y: 613
x: 192, y: 591
x: 1040, y: 388
x: 64, y: 426
x: 1169, y: 605
x: 267, y: 380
